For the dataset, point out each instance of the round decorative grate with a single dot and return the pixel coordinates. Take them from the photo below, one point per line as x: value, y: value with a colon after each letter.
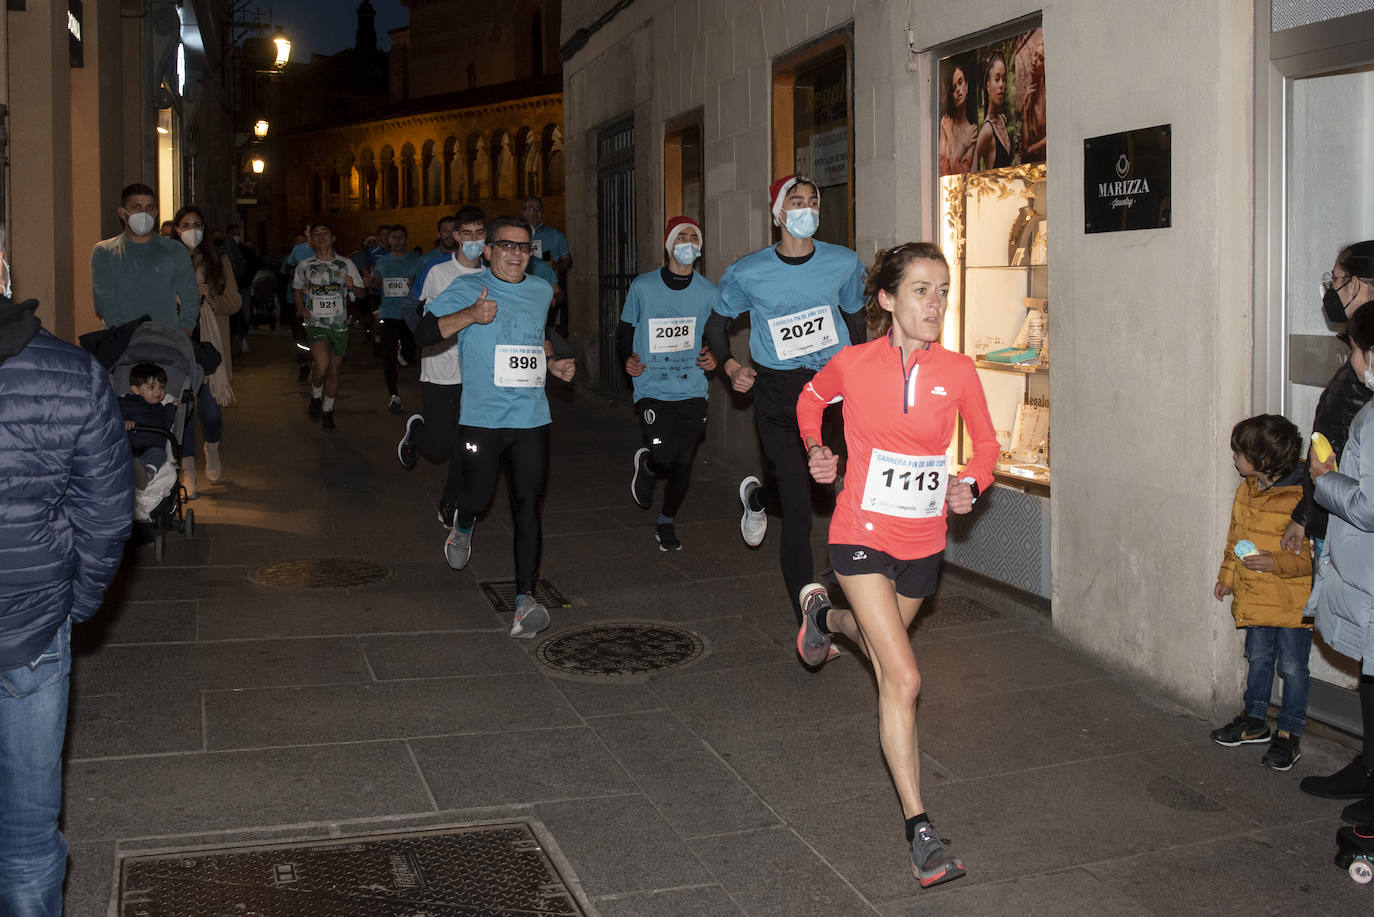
x: 611, y: 650
x: 322, y: 573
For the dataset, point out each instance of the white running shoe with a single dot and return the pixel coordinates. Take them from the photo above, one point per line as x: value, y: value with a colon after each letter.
x: 753, y: 525
x: 458, y: 547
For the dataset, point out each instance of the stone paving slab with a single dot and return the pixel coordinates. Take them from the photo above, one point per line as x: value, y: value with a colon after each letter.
x: 209, y: 709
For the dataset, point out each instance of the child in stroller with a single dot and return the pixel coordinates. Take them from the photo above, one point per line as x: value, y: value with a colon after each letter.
x: 158, y: 501
x: 148, y: 413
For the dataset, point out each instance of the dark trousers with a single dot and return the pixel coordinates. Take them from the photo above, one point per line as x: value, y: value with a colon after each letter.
x: 394, y: 330
x: 789, y: 481
x: 524, y: 454
x: 671, y: 431
x: 439, y: 405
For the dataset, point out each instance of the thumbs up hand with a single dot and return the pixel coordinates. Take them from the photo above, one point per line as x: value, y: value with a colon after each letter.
x: 483, y: 310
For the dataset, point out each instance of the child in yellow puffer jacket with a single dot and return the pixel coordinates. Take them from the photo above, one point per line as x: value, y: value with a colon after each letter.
x: 1269, y: 586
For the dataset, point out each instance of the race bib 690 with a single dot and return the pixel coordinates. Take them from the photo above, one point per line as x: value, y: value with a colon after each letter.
x: 395, y: 286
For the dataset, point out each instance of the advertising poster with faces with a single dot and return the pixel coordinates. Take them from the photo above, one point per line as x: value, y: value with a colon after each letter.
x: 992, y: 105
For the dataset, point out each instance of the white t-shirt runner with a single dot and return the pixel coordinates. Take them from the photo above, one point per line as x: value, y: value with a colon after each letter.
x: 440, y: 364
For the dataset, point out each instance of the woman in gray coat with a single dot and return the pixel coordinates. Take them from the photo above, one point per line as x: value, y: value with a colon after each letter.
x: 1343, y: 589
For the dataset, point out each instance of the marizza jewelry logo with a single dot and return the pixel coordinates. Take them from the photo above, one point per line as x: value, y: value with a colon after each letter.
x: 1124, y: 190
x: 1126, y: 180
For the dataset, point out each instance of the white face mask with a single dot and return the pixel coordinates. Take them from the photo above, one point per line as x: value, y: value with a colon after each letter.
x: 140, y: 224
x: 472, y: 250
x: 6, y: 291
x: 1368, y: 362
x: 802, y: 224
x: 192, y: 237
x: 685, y: 253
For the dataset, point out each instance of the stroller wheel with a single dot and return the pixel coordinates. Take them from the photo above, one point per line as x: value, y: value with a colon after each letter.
x: 189, y: 526
x: 159, y: 547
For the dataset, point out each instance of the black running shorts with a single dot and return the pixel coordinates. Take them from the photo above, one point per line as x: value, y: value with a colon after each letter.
x: 915, y: 579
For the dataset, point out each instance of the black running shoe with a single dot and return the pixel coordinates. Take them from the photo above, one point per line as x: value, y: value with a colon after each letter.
x: 407, y: 451
x: 666, y: 537
x: 1241, y: 731
x: 315, y: 408
x: 642, y: 484
x: 327, y: 420
x: 1283, y: 752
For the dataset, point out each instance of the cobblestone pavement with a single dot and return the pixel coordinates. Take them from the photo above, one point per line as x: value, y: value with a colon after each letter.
x: 217, y: 703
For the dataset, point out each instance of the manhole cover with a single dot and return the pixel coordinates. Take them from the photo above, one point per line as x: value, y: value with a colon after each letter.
x: 491, y: 870
x: 620, y: 649
x: 956, y: 609
x: 322, y: 573
x: 501, y: 594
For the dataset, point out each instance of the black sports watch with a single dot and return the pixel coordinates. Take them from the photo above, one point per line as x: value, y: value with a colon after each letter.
x: 972, y: 485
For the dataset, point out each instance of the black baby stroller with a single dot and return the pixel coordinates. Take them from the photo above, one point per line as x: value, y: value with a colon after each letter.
x: 159, y: 500
x: 263, y: 299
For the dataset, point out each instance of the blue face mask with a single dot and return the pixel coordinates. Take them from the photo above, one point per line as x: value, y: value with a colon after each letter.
x: 473, y: 250
x: 802, y: 224
x: 685, y: 253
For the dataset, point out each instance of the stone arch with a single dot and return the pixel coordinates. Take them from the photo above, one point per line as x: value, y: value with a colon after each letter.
x: 553, y: 159
x: 316, y: 194
x: 479, y: 168
x: 431, y: 176
x: 366, y: 170
x: 410, y: 176
x: 503, y: 182
x: 348, y: 181
x: 389, y: 179
x: 454, y: 171
x: 334, y: 192
x: 530, y: 165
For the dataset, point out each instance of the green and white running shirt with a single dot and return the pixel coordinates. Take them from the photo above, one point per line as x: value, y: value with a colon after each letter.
x: 326, y: 292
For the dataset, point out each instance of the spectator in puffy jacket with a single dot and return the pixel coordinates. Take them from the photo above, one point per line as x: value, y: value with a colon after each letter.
x: 64, y: 517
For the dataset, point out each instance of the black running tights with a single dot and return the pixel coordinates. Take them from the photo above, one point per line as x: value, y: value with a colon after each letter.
x: 524, y: 454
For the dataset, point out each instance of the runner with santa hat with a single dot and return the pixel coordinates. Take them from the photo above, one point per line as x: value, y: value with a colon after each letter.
x: 659, y: 338
x: 805, y: 301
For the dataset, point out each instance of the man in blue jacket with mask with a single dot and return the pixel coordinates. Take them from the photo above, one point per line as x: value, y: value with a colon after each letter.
x: 64, y: 458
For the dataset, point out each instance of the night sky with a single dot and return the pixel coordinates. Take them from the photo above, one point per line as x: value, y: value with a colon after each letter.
x: 327, y: 26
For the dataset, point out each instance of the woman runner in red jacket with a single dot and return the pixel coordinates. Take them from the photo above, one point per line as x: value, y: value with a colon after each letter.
x: 902, y: 393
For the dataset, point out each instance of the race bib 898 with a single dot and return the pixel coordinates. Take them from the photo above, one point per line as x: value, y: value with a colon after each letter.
x: 519, y: 366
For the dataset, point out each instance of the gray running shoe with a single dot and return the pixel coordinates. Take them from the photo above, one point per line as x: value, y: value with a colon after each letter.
x: 530, y: 617
x: 458, y: 547
x: 642, y: 484
x: 930, y: 861
x: 753, y: 525
x: 813, y: 645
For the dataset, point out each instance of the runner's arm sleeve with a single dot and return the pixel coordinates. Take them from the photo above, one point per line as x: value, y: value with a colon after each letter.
x: 857, y: 323
x: 427, y: 332
x: 716, y: 334
x: 973, y: 408
x: 624, y: 341
x: 823, y: 390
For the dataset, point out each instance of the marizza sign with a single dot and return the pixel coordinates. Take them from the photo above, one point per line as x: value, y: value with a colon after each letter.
x: 1126, y: 180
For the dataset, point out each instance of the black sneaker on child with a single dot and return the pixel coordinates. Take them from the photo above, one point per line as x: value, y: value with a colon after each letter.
x: 1354, y: 781
x: 315, y: 408
x: 327, y: 420
x: 1243, y: 730
x: 1283, y: 752
x: 446, y: 511
x: 642, y: 484
x: 1359, y: 813
x: 667, y: 538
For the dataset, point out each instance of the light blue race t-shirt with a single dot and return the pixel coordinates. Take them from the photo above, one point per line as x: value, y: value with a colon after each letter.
x: 795, y: 321
x: 397, y: 273
x: 548, y: 244
x: 503, y: 362
x: 668, y: 328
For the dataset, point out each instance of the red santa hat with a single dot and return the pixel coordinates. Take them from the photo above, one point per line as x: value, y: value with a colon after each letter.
x: 677, y: 225
x: 777, y: 193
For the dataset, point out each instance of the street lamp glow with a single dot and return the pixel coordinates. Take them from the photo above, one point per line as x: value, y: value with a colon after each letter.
x: 258, y: 165
x: 260, y: 128
x: 283, y: 48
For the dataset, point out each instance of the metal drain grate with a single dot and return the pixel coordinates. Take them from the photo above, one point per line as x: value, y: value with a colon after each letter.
x: 500, y: 595
x: 494, y: 870
x: 609, y: 650
x: 321, y: 573
x: 947, y: 611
